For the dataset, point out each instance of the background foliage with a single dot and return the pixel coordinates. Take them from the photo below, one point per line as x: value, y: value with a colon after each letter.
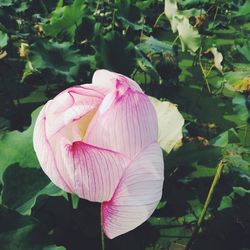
x: 196, y: 55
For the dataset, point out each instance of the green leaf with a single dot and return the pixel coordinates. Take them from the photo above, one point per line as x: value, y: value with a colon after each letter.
x: 134, y: 25
x: 60, y: 58
x: 144, y: 4
x: 22, y: 186
x: 171, y: 230
x: 150, y: 45
x: 22, y: 232
x: 23, y: 6
x: 17, y: 147
x: 3, y: 39
x: 193, y: 156
x: 145, y: 65
x: 226, y: 202
x: 6, y: 3
x: 235, y: 161
x: 245, y: 49
x: 65, y: 19
x: 157, y: 58
x: 201, y: 172
x: 222, y: 140
x: 241, y: 191
x: 238, y: 80
x: 189, y: 36
x: 240, y: 103
x: 244, y: 9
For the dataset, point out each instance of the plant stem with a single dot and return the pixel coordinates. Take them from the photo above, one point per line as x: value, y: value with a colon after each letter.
x: 203, y: 71
x: 241, y: 126
x: 158, y: 19
x: 209, y: 70
x: 102, y: 233
x: 44, y: 8
x: 215, y: 15
x: 113, y: 19
x: 207, y: 202
x: 245, y: 135
x: 97, y: 6
x: 175, y: 40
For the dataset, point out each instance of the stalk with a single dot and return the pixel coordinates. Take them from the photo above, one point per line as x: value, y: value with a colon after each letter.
x: 102, y: 233
x: 207, y: 202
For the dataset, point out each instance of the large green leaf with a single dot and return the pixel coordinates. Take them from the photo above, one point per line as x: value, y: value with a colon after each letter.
x: 17, y: 147
x: 22, y: 186
x: 23, y: 232
x: 59, y: 58
x: 65, y: 19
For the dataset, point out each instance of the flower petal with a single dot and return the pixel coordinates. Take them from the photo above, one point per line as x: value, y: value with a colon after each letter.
x: 124, y: 123
x: 95, y: 172
x: 63, y: 118
x: 170, y: 122
x: 70, y: 105
x: 46, y: 155
x: 107, y: 80
x: 137, y: 194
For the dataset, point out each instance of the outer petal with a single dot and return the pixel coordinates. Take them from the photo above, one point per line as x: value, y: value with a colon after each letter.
x: 124, y: 123
x: 137, y: 194
x: 90, y: 172
x: 107, y: 81
x: 58, y: 119
x: 95, y: 172
x: 70, y: 105
x: 46, y: 155
x: 170, y: 123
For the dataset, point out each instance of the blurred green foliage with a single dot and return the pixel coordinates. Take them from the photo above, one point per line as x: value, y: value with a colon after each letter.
x: 195, y: 54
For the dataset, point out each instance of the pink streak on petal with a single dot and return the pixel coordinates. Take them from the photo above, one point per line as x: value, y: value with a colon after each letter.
x: 95, y: 171
x: 59, y: 123
x: 46, y: 155
x: 137, y: 193
x: 107, y: 81
x: 124, y: 123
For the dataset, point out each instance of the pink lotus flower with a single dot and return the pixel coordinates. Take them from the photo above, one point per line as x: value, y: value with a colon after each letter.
x: 99, y: 141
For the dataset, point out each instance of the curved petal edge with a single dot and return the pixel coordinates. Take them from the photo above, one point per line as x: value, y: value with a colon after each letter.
x: 170, y: 123
x: 137, y: 194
